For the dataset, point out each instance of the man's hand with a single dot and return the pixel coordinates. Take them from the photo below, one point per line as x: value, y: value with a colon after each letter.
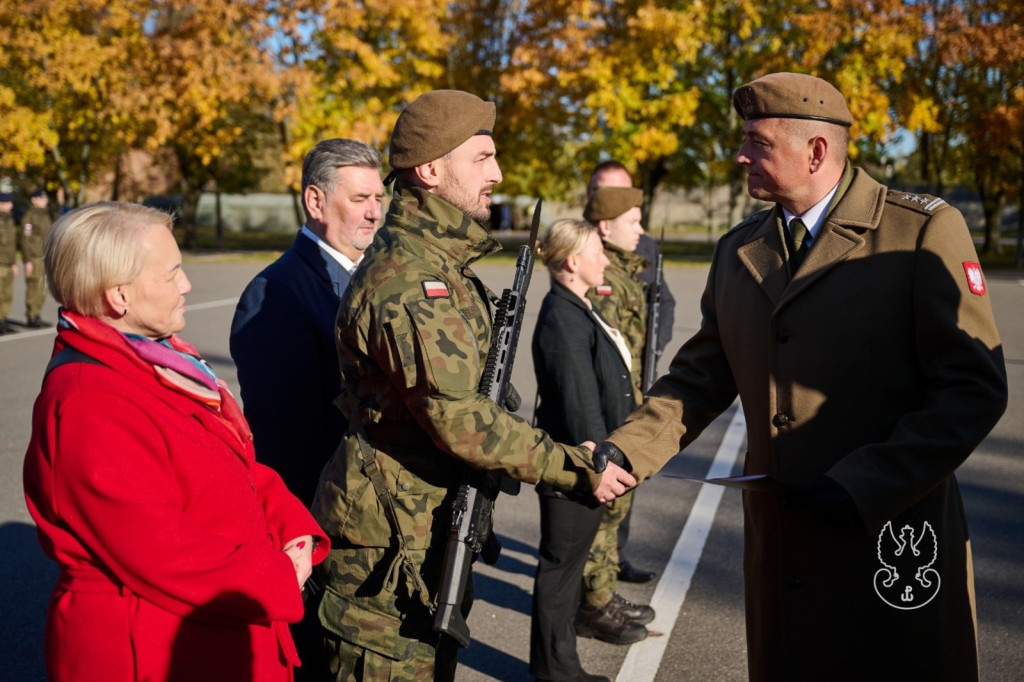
x: 28, y: 268
x: 614, y: 482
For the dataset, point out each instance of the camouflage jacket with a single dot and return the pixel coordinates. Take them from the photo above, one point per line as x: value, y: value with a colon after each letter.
x: 34, y: 225
x: 413, y: 331
x: 622, y: 302
x: 8, y: 239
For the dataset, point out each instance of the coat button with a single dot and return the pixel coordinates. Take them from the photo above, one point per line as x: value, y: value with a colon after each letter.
x: 781, y: 420
x: 406, y: 485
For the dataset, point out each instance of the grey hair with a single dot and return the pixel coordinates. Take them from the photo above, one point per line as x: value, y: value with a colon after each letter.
x: 321, y: 164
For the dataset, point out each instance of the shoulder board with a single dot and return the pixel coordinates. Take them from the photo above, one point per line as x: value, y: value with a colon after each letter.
x: 922, y: 203
x: 749, y: 220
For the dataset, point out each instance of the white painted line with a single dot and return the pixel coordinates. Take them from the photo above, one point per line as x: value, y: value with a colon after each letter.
x: 26, y: 334
x: 644, y: 658
x: 210, y: 304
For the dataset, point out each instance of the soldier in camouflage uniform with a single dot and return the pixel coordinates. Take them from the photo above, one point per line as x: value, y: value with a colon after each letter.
x: 614, y: 174
x: 616, y: 211
x: 8, y: 266
x: 413, y: 332
x: 34, y: 226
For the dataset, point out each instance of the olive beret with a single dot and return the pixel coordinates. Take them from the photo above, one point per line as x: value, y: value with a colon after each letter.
x: 791, y: 95
x: 436, y: 123
x: 607, y: 203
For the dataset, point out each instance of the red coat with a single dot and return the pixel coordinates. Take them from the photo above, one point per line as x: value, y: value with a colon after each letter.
x: 167, y: 532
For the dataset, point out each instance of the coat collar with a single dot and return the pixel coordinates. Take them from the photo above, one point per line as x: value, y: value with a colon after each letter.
x: 560, y: 291
x: 439, y: 223
x: 840, y: 237
x: 321, y: 263
x: 631, y: 262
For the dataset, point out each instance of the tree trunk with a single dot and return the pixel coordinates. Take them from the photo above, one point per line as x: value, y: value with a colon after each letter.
x: 992, y: 209
x: 220, y: 221
x: 187, y: 215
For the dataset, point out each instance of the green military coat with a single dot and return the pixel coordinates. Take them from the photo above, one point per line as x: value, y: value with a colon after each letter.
x: 878, y: 365
x: 34, y: 226
x: 622, y: 301
x: 8, y: 240
x: 413, y: 332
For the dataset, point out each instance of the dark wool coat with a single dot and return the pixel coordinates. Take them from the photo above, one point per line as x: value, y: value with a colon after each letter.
x: 584, y: 385
x: 878, y: 365
x: 282, y: 342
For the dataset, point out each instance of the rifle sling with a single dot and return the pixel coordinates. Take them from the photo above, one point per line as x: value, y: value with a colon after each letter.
x: 402, y: 562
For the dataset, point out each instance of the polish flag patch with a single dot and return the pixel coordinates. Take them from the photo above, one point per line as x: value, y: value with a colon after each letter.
x: 436, y: 289
x: 975, y: 280
x: 604, y: 290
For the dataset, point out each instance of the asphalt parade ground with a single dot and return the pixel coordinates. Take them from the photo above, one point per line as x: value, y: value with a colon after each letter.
x: 691, y: 534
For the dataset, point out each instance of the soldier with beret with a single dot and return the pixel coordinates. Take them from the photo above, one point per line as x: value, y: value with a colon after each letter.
x: 34, y: 226
x: 413, y: 332
x: 8, y: 264
x: 614, y: 174
x: 854, y: 323
x: 621, y: 300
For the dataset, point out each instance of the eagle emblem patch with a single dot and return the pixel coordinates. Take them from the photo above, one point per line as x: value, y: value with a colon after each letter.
x: 907, y: 580
x: 975, y: 280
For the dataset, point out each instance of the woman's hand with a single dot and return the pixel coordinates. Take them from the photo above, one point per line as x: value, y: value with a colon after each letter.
x: 300, y: 551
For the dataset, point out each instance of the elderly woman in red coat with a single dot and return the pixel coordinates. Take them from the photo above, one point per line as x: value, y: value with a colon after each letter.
x: 180, y: 556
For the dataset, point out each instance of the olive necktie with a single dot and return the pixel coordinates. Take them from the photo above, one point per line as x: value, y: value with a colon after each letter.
x: 800, y: 242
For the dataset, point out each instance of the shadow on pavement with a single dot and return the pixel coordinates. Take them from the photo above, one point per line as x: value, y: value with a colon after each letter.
x: 28, y: 580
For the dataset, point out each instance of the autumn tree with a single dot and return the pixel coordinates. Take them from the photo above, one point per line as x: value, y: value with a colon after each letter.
x: 206, y: 76
x: 68, y: 91
x: 591, y: 80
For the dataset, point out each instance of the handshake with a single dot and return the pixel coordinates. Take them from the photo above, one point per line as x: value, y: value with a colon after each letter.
x: 611, y: 477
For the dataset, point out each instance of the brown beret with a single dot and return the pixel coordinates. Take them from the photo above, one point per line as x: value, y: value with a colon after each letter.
x: 436, y: 123
x: 607, y: 203
x: 791, y: 95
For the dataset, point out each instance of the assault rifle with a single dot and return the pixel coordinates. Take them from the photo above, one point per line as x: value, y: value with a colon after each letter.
x: 470, y: 532
x: 650, y: 365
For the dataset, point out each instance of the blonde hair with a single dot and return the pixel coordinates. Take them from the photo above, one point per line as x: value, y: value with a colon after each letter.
x: 95, y: 247
x: 562, y: 239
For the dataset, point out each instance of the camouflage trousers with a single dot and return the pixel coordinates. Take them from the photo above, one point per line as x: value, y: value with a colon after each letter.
x: 601, y: 573
x: 6, y: 290
x: 376, y: 630
x: 35, y: 291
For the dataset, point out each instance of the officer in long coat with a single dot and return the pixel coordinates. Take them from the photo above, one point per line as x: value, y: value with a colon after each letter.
x: 869, y: 367
x: 413, y: 333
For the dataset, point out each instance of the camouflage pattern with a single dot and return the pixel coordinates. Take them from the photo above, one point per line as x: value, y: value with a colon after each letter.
x: 625, y: 308
x: 8, y: 252
x: 34, y: 226
x: 601, y: 572
x: 413, y: 332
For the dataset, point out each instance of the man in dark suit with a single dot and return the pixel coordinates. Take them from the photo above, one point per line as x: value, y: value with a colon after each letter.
x: 282, y: 335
